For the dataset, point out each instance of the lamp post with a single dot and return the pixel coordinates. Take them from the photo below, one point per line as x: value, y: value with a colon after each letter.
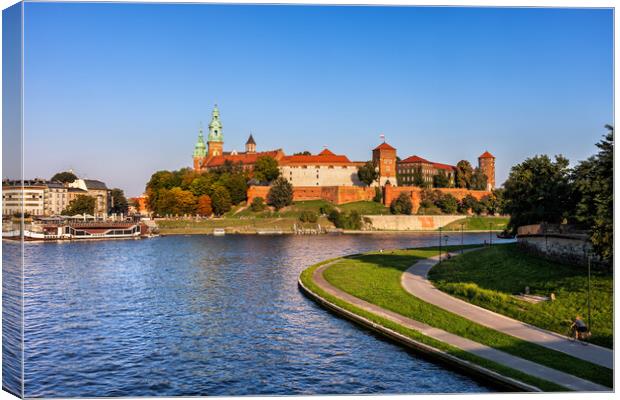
x: 589, y: 310
x: 440, y: 244
x: 462, y: 224
x: 490, y: 234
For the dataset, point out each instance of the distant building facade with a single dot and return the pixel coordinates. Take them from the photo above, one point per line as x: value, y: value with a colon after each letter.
x: 23, y: 196
x: 98, y: 190
x: 56, y: 198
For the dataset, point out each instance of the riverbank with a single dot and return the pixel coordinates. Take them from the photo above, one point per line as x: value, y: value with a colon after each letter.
x: 374, y: 278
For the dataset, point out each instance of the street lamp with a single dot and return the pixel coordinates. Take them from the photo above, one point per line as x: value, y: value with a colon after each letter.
x: 490, y: 234
x: 462, y: 224
x: 440, y: 244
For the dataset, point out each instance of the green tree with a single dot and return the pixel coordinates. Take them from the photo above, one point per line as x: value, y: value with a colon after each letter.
x: 378, y: 195
x: 441, y: 180
x: 463, y: 175
x: 236, y: 185
x: 280, y: 194
x: 82, y: 204
x: 402, y: 204
x: 220, y: 200
x: 64, y: 177
x: 119, y: 202
x: 266, y: 169
x: 308, y: 216
x: 593, y: 194
x: 538, y: 190
x: 303, y: 153
x: 418, y: 177
x: 478, y: 180
x: 368, y: 173
x: 201, y: 185
x: 258, y: 204
x: 447, y: 203
x: 467, y: 203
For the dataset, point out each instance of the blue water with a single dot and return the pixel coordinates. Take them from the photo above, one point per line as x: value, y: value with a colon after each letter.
x: 204, y: 315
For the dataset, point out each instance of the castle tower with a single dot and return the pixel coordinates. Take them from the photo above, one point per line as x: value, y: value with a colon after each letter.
x: 486, y: 163
x: 200, y: 151
x: 250, y: 145
x: 215, y: 140
x: 384, y: 156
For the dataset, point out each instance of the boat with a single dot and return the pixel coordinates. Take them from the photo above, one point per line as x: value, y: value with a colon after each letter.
x: 219, y: 232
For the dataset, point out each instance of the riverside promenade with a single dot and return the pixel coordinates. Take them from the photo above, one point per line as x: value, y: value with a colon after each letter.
x: 415, y: 281
x: 528, y: 367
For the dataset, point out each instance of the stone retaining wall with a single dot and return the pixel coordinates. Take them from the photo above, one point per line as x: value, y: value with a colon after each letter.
x: 409, y: 222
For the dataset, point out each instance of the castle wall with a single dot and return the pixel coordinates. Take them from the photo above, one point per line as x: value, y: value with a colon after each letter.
x: 392, y: 192
x: 333, y: 194
x: 321, y: 175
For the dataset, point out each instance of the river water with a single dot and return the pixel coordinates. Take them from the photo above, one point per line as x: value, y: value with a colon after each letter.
x: 204, y: 315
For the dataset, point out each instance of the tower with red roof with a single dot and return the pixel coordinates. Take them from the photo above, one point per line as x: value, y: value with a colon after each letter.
x: 486, y: 162
x: 384, y: 157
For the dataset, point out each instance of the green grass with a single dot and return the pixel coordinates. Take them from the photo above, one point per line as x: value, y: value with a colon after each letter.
x: 306, y: 278
x: 376, y: 279
x: 241, y: 225
x: 475, y: 223
x: 366, y: 208
x: 489, y: 277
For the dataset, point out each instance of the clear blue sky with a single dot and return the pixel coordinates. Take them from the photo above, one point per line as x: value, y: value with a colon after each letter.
x: 117, y: 91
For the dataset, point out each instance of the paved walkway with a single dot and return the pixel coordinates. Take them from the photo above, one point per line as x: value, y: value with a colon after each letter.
x: 415, y: 281
x: 528, y: 367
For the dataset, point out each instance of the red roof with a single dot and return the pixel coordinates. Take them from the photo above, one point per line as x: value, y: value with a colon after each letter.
x: 326, y: 152
x: 243, y: 158
x: 415, y: 159
x: 384, y: 146
x: 486, y: 154
x: 418, y: 159
x: 324, y: 157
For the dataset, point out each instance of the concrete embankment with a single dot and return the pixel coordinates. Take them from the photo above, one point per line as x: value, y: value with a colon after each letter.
x: 410, y: 222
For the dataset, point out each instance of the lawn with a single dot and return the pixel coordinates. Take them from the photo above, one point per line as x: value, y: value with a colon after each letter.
x: 477, y: 223
x: 366, y: 208
x: 376, y: 278
x: 489, y: 277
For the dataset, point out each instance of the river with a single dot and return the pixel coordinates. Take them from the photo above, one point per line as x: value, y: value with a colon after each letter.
x: 204, y: 315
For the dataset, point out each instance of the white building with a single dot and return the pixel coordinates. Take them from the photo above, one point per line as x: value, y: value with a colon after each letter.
x: 28, y: 197
x: 323, y: 169
x: 56, y: 198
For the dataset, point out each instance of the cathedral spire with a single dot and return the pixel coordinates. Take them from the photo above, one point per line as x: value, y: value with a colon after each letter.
x: 200, y: 149
x: 215, y: 127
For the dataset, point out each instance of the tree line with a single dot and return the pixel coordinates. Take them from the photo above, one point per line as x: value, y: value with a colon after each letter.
x: 542, y: 190
x: 216, y: 191
x: 435, y: 202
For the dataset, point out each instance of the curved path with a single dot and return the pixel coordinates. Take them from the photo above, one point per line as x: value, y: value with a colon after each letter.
x: 415, y: 281
x: 528, y: 367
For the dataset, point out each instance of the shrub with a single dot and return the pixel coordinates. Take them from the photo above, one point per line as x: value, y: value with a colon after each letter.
x: 378, y: 195
x: 429, y: 210
x: 281, y: 194
x: 344, y: 220
x: 308, y: 216
x: 447, y: 204
x: 258, y: 204
x: 467, y: 203
x: 326, y: 209
x: 401, y: 204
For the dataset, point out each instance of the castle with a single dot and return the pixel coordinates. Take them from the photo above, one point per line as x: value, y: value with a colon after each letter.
x: 326, y: 169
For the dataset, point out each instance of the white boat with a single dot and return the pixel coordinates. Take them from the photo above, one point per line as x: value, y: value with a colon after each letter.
x: 219, y: 232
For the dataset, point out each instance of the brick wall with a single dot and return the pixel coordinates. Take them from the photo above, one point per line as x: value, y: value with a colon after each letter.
x: 392, y: 192
x: 334, y: 194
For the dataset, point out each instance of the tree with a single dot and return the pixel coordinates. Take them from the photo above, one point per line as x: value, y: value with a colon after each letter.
x: 447, y: 203
x: 308, y: 216
x: 82, y: 204
x: 478, y: 180
x: 220, y: 200
x: 236, y: 185
x: 64, y: 177
x: 280, y: 194
x: 303, y: 153
x: 467, y: 203
x: 119, y: 202
x: 201, y: 185
x: 538, y: 190
x: 418, y: 177
x: 402, y: 204
x: 441, y: 180
x: 258, y: 204
x: 183, y: 202
x: 203, y: 207
x: 593, y: 196
x: 492, y: 202
x: 368, y: 173
x: 463, y: 174
x: 266, y: 169
x: 378, y: 197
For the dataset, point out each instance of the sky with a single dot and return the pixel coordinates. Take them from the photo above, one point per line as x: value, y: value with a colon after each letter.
x: 117, y: 91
